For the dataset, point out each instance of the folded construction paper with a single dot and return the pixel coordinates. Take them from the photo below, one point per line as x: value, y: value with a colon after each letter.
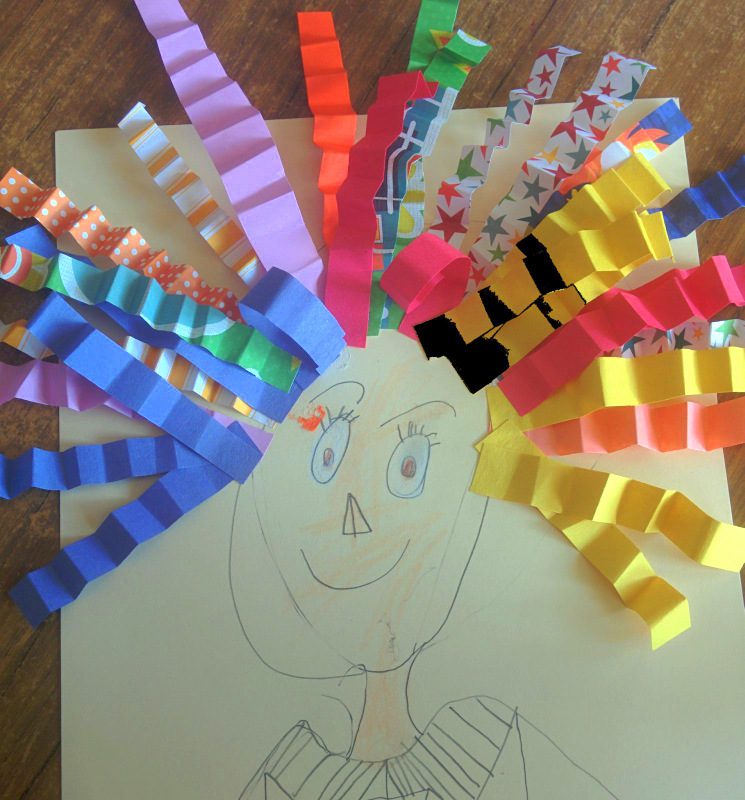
x: 434, y: 24
x: 425, y: 279
x: 123, y: 246
x: 136, y: 294
x: 93, y: 463
x: 662, y: 607
x: 53, y: 586
x: 349, y: 275
x: 101, y: 361
x: 615, y: 86
x: 238, y: 142
x: 652, y: 135
x: 587, y: 494
x: 334, y: 118
x: 453, y: 210
x: 715, y: 198
x: 613, y: 319
x: 294, y: 319
x: 677, y: 426
x: 265, y: 398
x: 189, y: 192
x: 611, y: 381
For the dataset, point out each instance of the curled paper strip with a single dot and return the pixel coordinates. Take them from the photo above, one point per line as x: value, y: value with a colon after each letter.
x: 610, y: 381
x: 334, y: 119
x: 615, y: 86
x: 715, y: 198
x: 123, y: 246
x: 137, y: 294
x: 557, y: 488
x: 293, y: 318
x: 57, y: 584
x: 649, y: 137
x: 678, y: 426
x: 92, y: 355
x: 662, y: 607
x: 453, y: 209
x: 349, y: 276
x: 238, y: 142
x: 434, y: 24
x: 190, y: 194
x: 93, y: 463
x: 425, y: 278
x: 613, y: 319
x: 262, y: 396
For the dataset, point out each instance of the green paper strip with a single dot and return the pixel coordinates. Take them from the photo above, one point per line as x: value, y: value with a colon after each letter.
x: 451, y: 64
x: 435, y: 17
x: 136, y: 294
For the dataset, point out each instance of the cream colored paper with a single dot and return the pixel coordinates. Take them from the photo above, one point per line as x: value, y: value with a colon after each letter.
x: 163, y: 697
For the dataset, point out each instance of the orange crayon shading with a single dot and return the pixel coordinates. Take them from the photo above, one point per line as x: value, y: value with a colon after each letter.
x: 313, y: 421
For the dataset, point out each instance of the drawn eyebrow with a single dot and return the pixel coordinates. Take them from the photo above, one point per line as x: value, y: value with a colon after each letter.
x: 342, y: 383
x: 421, y: 405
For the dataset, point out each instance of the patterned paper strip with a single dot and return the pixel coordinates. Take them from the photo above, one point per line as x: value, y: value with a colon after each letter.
x: 615, y: 86
x: 434, y: 24
x: 238, y: 142
x: 334, y: 118
x: 123, y: 246
x: 189, y: 192
x: 715, y: 198
x: 649, y: 137
x: 452, y: 212
x: 139, y: 295
x: 350, y: 266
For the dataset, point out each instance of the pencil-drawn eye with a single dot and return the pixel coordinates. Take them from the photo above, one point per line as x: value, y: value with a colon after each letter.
x: 407, y: 468
x: 331, y: 447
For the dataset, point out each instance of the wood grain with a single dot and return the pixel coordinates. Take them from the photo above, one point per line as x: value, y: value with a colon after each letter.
x: 78, y: 64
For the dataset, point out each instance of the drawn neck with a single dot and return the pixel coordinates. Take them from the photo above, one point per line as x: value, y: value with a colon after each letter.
x: 386, y: 729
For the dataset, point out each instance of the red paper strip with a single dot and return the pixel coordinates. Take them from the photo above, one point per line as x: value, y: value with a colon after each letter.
x: 349, y: 274
x: 426, y: 279
x: 613, y: 318
x: 335, y: 121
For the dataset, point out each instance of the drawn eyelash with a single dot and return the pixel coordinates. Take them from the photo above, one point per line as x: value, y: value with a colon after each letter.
x: 347, y: 415
x: 416, y: 430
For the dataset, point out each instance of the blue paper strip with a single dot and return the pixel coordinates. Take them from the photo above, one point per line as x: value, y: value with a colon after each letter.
x: 93, y: 463
x: 57, y: 584
x: 715, y: 198
x: 94, y: 356
x: 293, y: 318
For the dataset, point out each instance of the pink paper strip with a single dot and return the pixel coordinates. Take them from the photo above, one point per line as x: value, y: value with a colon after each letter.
x: 239, y: 143
x: 613, y: 318
x: 349, y: 275
x: 427, y: 278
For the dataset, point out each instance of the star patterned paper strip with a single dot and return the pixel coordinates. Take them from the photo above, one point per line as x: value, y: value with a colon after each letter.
x: 452, y: 213
x: 615, y: 86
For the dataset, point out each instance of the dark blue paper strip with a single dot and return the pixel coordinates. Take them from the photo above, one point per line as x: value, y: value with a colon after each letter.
x: 97, y: 358
x: 93, y: 463
x: 715, y: 198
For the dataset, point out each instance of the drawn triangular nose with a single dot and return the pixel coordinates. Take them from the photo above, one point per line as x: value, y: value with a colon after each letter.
x: 354, y: 519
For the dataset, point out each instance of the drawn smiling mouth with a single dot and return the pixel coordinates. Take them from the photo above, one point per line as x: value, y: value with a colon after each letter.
x: 358, y: 585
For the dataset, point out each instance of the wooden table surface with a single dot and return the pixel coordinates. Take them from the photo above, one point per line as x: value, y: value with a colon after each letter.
x: 78, y: 64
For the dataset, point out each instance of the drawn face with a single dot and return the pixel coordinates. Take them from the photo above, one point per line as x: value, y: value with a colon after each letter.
x: 367, y: 517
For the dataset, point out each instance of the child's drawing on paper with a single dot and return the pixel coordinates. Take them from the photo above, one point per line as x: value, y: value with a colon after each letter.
x: 365, y: 520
